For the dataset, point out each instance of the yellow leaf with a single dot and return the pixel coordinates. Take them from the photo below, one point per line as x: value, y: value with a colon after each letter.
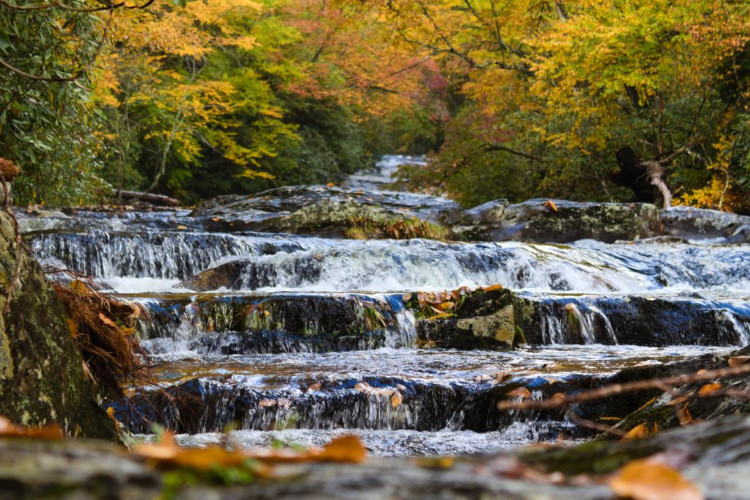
x: 647, y: 403
x: 708, y: 389
x: 645, y: 480
x: 492, y: 288
x: 396, y: 399
x: 640, y: 431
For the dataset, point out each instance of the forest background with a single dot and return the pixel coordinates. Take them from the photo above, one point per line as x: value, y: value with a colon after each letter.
x: 510, y: 98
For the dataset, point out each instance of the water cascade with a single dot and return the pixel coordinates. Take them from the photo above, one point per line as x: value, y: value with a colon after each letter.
x: 303, y: 337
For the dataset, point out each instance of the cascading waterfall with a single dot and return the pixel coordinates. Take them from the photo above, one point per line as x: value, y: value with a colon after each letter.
x: 304, y: 337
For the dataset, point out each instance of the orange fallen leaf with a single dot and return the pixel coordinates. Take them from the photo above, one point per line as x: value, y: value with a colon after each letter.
x: 330, y: 184
x: 446, y: 306
x: 167, y: 452
x: 640, y: 431
x: 708, y: 389
x: 678, y: 401
x: 684, y: 416
x: 647, y: 403
x: 181, y: 227
x: 550, y: 204
x: 50, y: 433
x: 343, y: 449
x: 492, y: 288
x: 520, y: 392
x: 646, y: 480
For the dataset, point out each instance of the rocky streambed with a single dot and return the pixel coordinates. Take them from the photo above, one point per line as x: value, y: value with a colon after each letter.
x: 304, y: 313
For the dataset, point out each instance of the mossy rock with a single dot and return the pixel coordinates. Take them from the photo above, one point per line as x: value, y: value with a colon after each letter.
x: 41, y: 370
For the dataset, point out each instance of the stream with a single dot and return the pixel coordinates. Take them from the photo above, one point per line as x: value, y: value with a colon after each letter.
x: 271, y: 354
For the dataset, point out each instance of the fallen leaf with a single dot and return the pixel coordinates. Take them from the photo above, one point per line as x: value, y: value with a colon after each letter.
x: 550, y: 204
x: 314, y: 387
x: 330, y: 184
x: 181, y: 227
x: 647, y: 404
x: 679, y: 400
x: 436, y: 462
x: 492, y: 288
x: 645, y: 480
x: 344, y: 449
x: 446, y: 306
x: 708, y: 389
x: 50, y: 433
x: 520, y: 392
x: 640, y: 431
x: 396, y: 399
x: 684, y: 416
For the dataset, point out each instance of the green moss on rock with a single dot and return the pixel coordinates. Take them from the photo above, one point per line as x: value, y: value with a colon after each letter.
x: 41, y: 370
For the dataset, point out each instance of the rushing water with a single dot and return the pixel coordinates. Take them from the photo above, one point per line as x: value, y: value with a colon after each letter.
x: 310, y: 337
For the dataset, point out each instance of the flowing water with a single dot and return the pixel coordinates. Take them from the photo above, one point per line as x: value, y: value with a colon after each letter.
x: 311, y: 339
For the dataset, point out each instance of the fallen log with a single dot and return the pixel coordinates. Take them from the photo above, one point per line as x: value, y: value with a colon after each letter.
x: 157, y: 199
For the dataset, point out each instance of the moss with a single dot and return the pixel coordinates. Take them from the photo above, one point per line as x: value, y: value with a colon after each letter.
x: 46, y: 383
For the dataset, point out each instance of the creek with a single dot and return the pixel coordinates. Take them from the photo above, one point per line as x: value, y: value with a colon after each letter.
x: 310, y: 338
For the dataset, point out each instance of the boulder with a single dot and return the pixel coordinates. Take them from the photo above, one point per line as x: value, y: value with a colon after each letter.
x: 479, y: 320
x: 698, y: 223
x: 42, y: 380
x: 559, y: 221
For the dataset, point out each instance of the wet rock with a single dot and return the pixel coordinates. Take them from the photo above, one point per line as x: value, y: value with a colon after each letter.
x: 280, y: 323
x: 41, y: 375
x: 666, y: 414
x: 635, y: 320
x: 698, y: 223
x: 351, y: 219
x: 561, y: 221
x: 480, y: 320
x: 243, y: 212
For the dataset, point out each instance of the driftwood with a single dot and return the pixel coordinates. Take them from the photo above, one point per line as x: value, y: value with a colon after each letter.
x: 157, y: 199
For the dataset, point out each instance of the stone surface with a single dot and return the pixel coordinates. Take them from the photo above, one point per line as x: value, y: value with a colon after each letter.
x: 713, y: 455
x: 483, y: 320
x: 698, y: 223
x: 560, y: 221
x: 41, y: 370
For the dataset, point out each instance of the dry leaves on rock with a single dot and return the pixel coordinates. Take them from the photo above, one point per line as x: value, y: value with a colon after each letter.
x: 10, y: 430
x: 167, y: 453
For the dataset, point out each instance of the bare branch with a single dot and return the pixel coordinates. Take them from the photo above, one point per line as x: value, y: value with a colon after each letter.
x: 613, y: 390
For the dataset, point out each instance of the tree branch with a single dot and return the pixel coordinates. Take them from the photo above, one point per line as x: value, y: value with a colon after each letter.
x: 613, y: 390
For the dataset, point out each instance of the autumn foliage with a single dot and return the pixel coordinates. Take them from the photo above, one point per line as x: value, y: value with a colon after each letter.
x: 533, y: 98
